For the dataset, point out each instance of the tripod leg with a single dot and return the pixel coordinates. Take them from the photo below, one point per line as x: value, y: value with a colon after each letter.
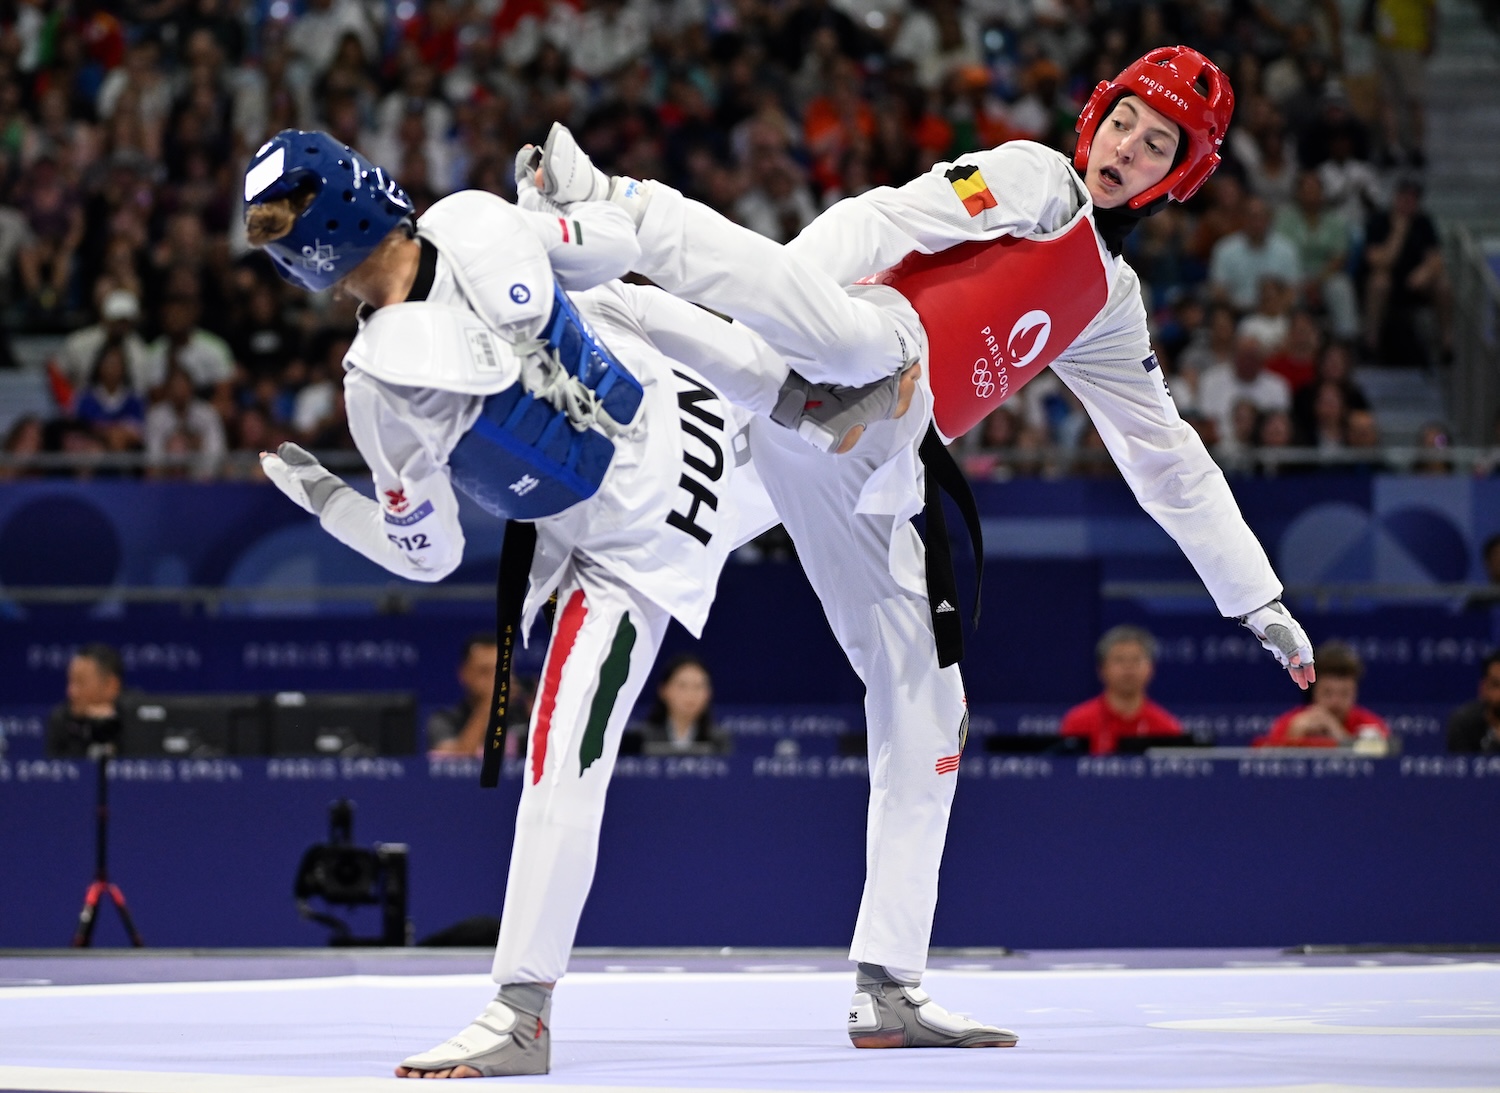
x: 84, y: 935
x: 117, y: 897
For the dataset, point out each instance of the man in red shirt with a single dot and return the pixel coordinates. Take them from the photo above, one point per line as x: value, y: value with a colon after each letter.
x: 1331, y: 717
x: 1127, y: 659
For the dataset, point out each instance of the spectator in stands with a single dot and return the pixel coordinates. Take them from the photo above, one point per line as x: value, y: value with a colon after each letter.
x: 1474, y: 728
x: 1243, y: 258
x: 1323, y: 239
x: 1362, y: 434
x: 1222, y: 387
x: 1266, y: 151
x: 263, y: 339
x: 1434, y: 442
x: 109, y: 406
x: 54, y: 219
x: 1404, y: 259
x: 1007, y: 447
x: 1126, y: 660
x: 1273, y: 434
x: 180, y: 425
x: 119, y: 312
x: 186, y: 347
x: 1271, y: 321
x: 90, y: 715
x: 1405, y: 33
x: 1332, y: 716
x: 318, y: 410
x: 1490, y: 554
x: 27, y: 437
x: 681, y: 720
x: 778, y: 203
x: 1301, y: 350
x: 1210, y: 345
x: 1320, y: 420
x: 1335, y: 367
x: 459, y: 729
x: 1224, y: 216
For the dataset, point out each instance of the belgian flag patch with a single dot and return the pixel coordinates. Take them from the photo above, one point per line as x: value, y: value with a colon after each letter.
x: 971, y: 189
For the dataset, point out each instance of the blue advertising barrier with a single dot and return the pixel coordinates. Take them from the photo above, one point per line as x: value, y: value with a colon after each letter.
x: 1316, y: 528
x: 767, y: 850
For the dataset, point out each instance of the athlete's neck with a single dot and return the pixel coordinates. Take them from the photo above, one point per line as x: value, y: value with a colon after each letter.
x: 387, y: 275
x: 1126, y: 705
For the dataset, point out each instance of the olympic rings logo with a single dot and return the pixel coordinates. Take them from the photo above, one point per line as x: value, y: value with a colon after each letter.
x: 983, y: 379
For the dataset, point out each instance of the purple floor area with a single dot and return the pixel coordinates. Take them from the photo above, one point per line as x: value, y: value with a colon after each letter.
x: 1172, y: 1020
x: 70, y: 966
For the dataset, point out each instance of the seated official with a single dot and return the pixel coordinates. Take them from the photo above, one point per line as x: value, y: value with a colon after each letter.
x: 1474, y: 728
x: 681, y: 721
x: 91, y: 714
x: 1126, y: 657
x: 459, y: 729
x: 1332, y: 717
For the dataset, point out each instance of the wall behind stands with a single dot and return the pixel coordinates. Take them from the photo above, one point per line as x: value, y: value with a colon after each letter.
x: 1049, y: 546
x: 1317, y: 528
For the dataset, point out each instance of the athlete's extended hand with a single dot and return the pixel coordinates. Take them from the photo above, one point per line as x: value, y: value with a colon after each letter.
x: 1284, y: 637
x: 299, y: 475
x: 528, y: 167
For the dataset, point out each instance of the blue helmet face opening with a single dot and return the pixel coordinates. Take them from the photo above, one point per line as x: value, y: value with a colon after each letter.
x: 355, y: 205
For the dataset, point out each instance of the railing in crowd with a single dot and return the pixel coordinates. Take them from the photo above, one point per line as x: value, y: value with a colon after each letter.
x: 1475, y: 397
x: 1045, y: 461
x: 400, y: 597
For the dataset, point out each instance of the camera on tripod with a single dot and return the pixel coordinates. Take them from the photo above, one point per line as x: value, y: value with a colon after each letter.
x: 345, y: 875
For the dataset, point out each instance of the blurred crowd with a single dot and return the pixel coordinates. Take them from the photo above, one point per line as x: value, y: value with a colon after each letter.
x: 124, y: 128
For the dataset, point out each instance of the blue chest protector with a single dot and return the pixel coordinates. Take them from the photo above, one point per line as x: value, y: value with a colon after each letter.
x: 523, y: 459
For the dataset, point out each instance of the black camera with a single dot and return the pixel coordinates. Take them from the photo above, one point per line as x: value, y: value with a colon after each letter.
x: 345, y: 875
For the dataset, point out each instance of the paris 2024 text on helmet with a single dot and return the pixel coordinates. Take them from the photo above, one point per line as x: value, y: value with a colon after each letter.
x: 354, y: 205
x: 1183, y: 86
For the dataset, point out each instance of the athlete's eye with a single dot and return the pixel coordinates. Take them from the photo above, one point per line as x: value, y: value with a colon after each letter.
x: 1154, y: 149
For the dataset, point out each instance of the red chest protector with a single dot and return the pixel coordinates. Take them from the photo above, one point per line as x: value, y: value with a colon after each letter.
x: 998, y: 311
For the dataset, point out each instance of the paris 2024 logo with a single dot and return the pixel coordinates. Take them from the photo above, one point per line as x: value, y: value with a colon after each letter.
x: 1028, y: 337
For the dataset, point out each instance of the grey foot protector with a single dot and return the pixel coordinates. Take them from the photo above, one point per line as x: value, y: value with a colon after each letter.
x: 512, y: 1036
x: 888, y: 1013
x: 823, y: 414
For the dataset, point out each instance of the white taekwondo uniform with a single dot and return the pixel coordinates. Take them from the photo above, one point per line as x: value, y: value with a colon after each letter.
x: 646, y: 547
x: 995, y: 264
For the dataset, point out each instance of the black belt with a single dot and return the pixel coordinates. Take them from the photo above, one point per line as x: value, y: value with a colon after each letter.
x: 510, y: 594
x: 944, y: 476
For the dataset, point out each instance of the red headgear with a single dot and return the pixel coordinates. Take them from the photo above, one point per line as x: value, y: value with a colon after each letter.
x: 1168, y: 80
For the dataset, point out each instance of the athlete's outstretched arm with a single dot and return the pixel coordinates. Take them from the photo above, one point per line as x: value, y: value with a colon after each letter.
x: 1015, y: 189
x: 413, y: 529
x: 1182, y: 488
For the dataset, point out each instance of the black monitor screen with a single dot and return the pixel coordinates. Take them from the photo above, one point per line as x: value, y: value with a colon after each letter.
x: 343, y: 724
x: 193, y: 726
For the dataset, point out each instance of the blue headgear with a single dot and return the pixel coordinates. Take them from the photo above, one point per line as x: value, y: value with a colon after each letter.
x: 355, y: 207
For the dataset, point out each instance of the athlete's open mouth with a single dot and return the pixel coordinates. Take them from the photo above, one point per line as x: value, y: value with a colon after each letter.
x: 1110, y: 175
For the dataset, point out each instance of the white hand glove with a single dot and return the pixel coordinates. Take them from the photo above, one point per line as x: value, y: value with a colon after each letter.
x: 301, y: 477
x: 1285, y: 639
x: 567, y: 173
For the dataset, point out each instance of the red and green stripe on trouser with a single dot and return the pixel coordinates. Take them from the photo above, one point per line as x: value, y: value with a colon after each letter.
x: 604, y: 644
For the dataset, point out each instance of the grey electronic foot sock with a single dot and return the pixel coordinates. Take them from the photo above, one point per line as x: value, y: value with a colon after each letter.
x: 511, y: 1036
x: 888, y: 1013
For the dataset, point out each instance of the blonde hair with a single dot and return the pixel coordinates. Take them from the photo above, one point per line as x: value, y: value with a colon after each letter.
x: 270, y: 220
